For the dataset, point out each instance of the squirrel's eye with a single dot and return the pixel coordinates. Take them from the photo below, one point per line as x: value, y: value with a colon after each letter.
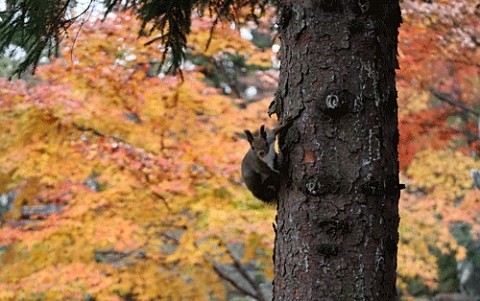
x: 261, y: 153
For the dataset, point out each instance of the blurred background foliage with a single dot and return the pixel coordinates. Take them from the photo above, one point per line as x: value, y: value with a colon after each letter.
x: 121, y: 181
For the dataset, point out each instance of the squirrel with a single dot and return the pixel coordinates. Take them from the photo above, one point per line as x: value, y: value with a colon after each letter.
x: 259, y: 166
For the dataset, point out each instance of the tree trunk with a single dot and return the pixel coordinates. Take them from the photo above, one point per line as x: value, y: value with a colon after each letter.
x: 337, y: 220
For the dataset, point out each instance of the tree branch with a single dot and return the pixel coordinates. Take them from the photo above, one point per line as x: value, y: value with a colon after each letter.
x: 252, y: 289
x: 449, y: 99
x: 240, y: 268
x: 234, y: 283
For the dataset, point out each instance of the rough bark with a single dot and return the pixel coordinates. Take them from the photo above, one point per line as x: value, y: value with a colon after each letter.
x: 337, y: 220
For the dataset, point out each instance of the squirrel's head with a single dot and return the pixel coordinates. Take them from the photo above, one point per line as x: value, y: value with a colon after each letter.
x: 259, y: 143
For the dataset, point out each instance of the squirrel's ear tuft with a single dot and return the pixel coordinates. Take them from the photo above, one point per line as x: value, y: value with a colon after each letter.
x: 249, y: 136
x: 263, y: 133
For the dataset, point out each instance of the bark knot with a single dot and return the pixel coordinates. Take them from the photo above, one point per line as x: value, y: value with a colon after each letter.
x: 332, y: 101
x: 328, y: 250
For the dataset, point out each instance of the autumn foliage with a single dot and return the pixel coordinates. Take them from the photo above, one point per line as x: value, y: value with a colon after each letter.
x: 122, y: 184
x: 438, y: 121
x: 141, y: 175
